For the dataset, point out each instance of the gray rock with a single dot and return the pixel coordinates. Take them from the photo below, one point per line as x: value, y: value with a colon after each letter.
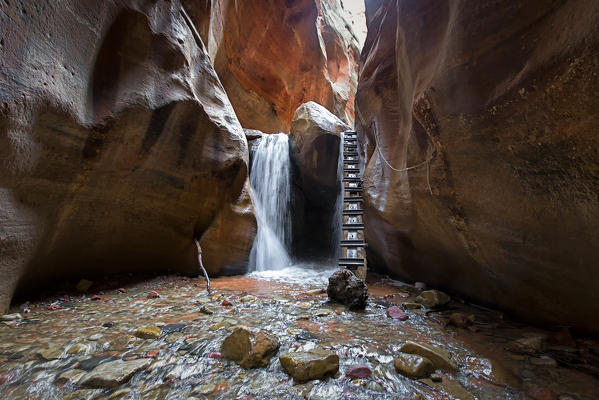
x: 344, y: 287
x: 114, y: 373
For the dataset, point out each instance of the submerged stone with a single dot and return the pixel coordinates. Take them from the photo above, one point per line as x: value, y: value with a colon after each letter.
x: 358, y: 372
x: 248, y: 348
x: 315, y: 363
x: 395, y: 312
x: 149, y: 332
x: 413, y: 365
x: 345, y: 288
x: 438, y: 357
x: 490, y: 370
x: 72, y: 376
x: 114, y: 373
x: 433, y: 298
x: 461, y: 320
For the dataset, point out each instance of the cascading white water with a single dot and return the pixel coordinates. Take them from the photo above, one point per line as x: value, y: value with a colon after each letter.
x: 271, y: 187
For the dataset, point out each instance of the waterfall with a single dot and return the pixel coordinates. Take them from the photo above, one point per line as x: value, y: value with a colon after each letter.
x: 270, y: 181
x: 338, y: 217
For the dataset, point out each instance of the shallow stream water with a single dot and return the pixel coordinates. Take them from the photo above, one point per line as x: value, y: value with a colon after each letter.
x: 78, y: 332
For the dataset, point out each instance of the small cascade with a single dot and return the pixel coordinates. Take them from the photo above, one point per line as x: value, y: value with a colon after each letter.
x: 353, y: 247
x: 270, y: 181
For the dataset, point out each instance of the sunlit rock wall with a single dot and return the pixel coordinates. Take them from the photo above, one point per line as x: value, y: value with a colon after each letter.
x: 118, y: 145
x: 502, y: 98
x: 274, y: 55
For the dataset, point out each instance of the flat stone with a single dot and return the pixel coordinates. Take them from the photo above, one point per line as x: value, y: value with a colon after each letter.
x: 358, y: 372
x: 315, y: 363
x: 95, y: 337
x: 491, y: 371
x: 433, y: 298
x: 438, y: 357
x: 72, y: 376
x: 149, y: 332
x: 395, y: 312
x: 11, y: 317
x: 114, y: 373
x: 413, y: 365
x: 171, y: 328
x: 249, y: 348
x: 52, y: 353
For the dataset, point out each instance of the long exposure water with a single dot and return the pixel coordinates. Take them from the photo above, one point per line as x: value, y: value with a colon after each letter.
x: 271, y: 187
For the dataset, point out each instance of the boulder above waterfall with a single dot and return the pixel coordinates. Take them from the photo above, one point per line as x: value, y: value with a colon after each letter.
x: 314, y: 151
x: 315, y: 133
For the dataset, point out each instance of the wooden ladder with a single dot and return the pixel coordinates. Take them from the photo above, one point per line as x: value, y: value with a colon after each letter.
x: 353, y: 246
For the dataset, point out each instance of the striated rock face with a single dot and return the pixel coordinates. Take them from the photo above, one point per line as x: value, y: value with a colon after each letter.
x: 314, y: 151
x: 118, y: 145
x: 273, y: 55
x: 502, y: 99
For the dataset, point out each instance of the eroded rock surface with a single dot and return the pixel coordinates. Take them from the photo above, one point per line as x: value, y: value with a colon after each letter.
x: 273, y: 56
x: 315, y: 139
x: 345, y: 288
x: 501, y: 100
x: 248, y: 348
x: 118, y: 145
x: 315, y: 363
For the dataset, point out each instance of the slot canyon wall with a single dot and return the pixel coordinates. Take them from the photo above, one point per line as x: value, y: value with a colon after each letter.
x: 274, y: 55
x: 120, y: 133
x: 118, y: 145
x: 501, y: 97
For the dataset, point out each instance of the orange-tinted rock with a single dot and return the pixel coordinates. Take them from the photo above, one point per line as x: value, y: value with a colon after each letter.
x: 118, y: 145
x: 274, y: 55
x: 502, y: 99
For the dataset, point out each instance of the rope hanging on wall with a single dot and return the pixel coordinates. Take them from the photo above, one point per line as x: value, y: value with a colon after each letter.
x: 427, y: 161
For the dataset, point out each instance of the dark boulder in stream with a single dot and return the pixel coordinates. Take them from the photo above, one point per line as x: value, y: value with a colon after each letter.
x: 346, y: 288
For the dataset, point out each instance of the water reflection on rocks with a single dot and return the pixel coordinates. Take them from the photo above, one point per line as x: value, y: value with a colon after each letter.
x: 123, y: 344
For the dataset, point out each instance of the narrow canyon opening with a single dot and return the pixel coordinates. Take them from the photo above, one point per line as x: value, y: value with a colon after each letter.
x: 307, y: 199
